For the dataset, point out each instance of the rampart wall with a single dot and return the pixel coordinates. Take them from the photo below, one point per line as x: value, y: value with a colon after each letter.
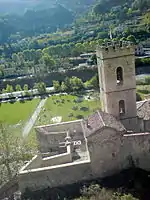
x: 55, y: 176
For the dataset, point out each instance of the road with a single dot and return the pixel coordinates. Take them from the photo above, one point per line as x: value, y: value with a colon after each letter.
x: 32, y: 120
x: 19, y: 93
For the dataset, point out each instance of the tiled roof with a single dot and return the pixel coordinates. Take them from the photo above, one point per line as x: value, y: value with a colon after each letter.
x: 99, y: 120
x: 112, y: 122
x: 93, y: 123
x: 143, y: 109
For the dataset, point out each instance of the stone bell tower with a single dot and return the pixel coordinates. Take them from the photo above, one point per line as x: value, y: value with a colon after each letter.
x: 116, y: 67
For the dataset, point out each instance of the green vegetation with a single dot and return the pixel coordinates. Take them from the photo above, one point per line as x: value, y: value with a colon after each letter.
x: 95, y: 192
x: 14, y: 152
x: 13, y: 113
x: 143, y: 87
x: 69, y: 107
x: 46, y: 43
x: 142, y: 61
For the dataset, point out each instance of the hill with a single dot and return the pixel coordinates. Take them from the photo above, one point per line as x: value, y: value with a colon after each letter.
x: 20, y: 6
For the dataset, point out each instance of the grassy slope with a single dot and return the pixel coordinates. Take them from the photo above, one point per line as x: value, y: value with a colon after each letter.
x: 55, y: 109
x: 14, y: 113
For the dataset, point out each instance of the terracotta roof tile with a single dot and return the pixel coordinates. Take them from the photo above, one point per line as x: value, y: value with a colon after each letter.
x: 99, y: 120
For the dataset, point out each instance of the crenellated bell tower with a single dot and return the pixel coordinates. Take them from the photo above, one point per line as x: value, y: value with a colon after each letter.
x: 116, y: 67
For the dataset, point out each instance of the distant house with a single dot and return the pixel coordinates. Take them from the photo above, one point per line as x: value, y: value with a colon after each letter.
x: 139, y: 50
x: 87, y: 55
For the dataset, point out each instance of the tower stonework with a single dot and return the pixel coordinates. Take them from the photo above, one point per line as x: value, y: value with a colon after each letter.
x: 116, y: 68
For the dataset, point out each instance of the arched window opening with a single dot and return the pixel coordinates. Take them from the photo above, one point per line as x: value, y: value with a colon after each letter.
x: 119, y: 75
x: 121, y: 107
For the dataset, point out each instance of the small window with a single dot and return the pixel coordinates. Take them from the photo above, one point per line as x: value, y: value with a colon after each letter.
x: 121, y: 107
x: 119, y: 74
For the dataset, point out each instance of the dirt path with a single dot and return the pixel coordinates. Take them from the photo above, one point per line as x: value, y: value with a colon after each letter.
x: 32, y: 120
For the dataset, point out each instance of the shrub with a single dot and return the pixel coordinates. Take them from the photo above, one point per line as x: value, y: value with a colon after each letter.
x: 140, y: 82
x: 79, y: 117
x: 78, y: 100
x: 138, y: 97
x: 143, y: 91
x: 75, y: 108
x: 70, y: 115
x: 147, y: 80
x: 84, y: 109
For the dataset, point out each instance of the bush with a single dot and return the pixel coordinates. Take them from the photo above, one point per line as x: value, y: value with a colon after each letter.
x: 147, y: 80
x: 140, y: 82
x: 138, y: 97
x: 144, y: 91
x: 78, y: 100
x: 70, y: 115
x: 75, y: 108
x: 95, y: 192
x: 93, y: 83
x: 84, y: 109
x: 79, y: 117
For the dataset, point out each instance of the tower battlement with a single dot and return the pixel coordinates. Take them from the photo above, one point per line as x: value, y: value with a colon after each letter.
x: 113, y: 50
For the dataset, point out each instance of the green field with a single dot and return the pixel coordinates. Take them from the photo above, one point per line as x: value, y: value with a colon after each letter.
x: 14, y: 113
x: 65, y: 106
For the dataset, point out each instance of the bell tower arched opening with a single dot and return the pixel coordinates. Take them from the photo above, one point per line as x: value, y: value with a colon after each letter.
x: 119, y: 75
x: 121, y: 107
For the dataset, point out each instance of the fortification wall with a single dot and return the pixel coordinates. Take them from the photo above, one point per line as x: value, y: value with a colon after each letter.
x: 138, y: 148
x: 38, y: 161
x: 58, y: 159
x: 53, y: 177
x: 50, y: 137
x: 50, y: 142
x: 111, y: 152
x: 62, y: 127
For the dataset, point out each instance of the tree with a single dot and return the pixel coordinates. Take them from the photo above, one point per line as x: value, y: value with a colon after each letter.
x: 92, y: 83
x: 94, y: 59
x: 76, y: 84
x: 13, y: 152
x: 26, y: 90
x: 68, y: 85
x: 26, y: 87
x: 131, y: 38
x: 57, y: 86
x: 63, y: 87
x: 9, y: 88
x: 41, y: 87
x: 18, y: 87
x: 147, y: 19
x: 48, y: 62
x: 2, y: 71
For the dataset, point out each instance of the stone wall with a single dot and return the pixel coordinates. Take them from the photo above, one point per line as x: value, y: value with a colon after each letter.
x: 138, y: 147
x: 58, y: 159
x: 50, y: 142
x: 111, y: 152
x: 50, y: 137
x: 52, y: 177
x: 106, y: 157
x: 38, y: 161
x: 147, y: 125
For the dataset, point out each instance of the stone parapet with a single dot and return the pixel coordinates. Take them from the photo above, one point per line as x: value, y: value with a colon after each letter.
x: 115, y: 50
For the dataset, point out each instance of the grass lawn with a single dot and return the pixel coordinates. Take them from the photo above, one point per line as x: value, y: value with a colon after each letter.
x: 17, y: 112
x: 68, y: 107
